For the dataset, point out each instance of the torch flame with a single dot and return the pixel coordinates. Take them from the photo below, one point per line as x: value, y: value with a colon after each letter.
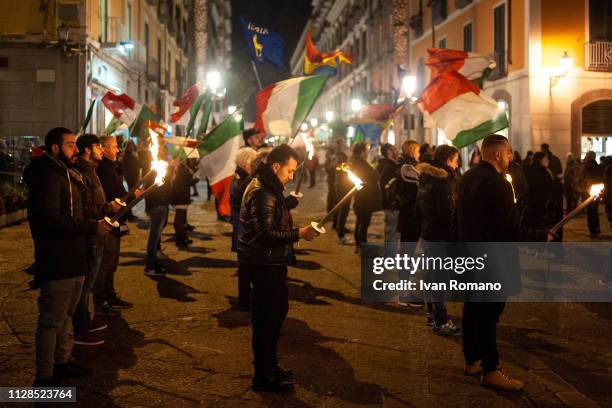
x: 356, y: 180
x: 160, y: 166
x: 596, y: 190
x: 509, y: 180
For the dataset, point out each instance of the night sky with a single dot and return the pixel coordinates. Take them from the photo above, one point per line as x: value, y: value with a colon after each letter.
x: 286, y: 17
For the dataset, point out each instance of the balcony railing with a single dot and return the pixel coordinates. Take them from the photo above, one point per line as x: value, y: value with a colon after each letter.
x: 598, y: 56
x: 152, y: 69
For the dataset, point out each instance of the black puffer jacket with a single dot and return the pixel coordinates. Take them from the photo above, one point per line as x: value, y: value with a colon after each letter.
x: 387, y: 169
x: 266, y: 231
x: 437, y: 199
x: 369, y: 198
x: 241, y: 180
x: 57, y: 220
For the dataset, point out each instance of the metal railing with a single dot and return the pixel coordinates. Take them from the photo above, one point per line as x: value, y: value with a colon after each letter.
x: 598, y: 56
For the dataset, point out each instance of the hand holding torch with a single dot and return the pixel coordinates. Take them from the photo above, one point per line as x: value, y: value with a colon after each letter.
x: 594, y: 193
x: 358, y: 185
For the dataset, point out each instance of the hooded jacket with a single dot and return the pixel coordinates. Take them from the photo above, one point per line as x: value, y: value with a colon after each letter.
x: 437, y: 200
x: 57, y: 219
x: 266, y: 234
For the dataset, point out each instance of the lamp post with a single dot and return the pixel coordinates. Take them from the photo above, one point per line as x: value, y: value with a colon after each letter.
x: 355, y: 105
x: 329, y: 116
x: 566, y: 62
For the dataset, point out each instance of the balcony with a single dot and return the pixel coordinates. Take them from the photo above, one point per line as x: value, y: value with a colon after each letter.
x: 162, y: 12
x: 180, y: 39
x: 172, y: 27
x: 152, y: 69
x: 137, y: 56
x: 598, y: 56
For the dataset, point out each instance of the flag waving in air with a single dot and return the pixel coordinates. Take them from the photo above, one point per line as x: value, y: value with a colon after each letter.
x: 474, y: 67
x: 184, y: 103
x: 264, y: 44
x: 122, y: 106
x: 217, y: 150
x: 455, y: 103
x: 317, y: 62
x: 283, y: 106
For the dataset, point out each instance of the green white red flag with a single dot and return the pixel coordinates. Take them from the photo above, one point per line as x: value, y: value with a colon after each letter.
x: 123, y: 107
x: 283, y: 106
x: 455, y: 104
x: 184, y: 103
x: 217, y: 151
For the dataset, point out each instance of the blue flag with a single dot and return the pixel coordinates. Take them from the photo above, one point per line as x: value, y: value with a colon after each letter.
x: 264, y: 44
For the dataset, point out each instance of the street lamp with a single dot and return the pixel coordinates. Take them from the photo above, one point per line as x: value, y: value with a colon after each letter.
x: 304, y: 127
x: 314, y: 122
x: 213, y: 80
x: 355, y: 105
x: 231, y: 109
x: 409, y: 84
x: 329, y: 116
x: 566, y: 63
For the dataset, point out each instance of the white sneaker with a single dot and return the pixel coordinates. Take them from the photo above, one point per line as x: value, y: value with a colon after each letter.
x: 345, y: 241
x: 160, y: 255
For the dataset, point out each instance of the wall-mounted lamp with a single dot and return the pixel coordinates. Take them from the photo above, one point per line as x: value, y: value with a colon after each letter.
x: 566, y: 63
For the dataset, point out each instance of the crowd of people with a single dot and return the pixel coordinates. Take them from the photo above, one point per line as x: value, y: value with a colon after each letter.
x: 77, y: 182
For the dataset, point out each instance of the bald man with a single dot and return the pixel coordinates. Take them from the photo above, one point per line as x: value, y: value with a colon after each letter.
x: 486, y: 212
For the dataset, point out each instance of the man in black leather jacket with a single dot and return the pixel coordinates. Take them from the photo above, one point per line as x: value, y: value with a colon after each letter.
x: 265, y: 248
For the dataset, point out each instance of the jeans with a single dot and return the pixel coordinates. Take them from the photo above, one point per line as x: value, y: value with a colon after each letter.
x: 104, y: 288
x: 158, y: 221
x: 180, y: 222
x: 56, y: 304
x: 480, y: 333
x: 81, y: 317
x: 361, y: 226
x: 593, y: 217
x: 270, y: 304
x: 244, y: 286
x: 391, y: 219
x: 340, y: 219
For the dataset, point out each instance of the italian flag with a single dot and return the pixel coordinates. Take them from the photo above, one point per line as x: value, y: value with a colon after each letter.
x: 283, y: 106
x: 122, y: 106
x: 217, y: 151
x: 456, y: 105
x: 475, y: 67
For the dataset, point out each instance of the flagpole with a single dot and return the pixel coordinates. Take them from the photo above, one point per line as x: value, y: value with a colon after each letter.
x: 256, y: 74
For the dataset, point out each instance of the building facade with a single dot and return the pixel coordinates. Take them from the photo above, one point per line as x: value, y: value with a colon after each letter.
x: 368, y: 30
x: 532, y: 42
x: 57, y: 56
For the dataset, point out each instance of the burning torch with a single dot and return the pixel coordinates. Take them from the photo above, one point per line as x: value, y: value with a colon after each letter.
x: 309, y: 156
x: 160, y: 167
x: 594, y: 193
x: 357, y: 185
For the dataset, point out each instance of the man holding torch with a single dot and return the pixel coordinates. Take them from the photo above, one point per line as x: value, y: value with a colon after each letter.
x: 486, y: 212
x: 265, y: 249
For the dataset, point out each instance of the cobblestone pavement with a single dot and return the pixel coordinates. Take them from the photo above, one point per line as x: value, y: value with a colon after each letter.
x: 184, y: 344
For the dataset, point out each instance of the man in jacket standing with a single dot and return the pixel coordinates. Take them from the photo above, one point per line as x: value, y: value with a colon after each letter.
x: 388, y: 170
x: 265, y: 248
x: 486, y: 212
x: 106, y: 300
x: 60, y: 230
x: 96, y: 206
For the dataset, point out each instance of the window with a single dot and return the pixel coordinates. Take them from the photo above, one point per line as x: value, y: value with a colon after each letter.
x: 499, y: 40
x: 600, y: 20
x: 146, y: 39
x: 467, y: 37
x: 442, y: 42
x: 103, y: 20
x: 439, y: 11
x: 129, y: 21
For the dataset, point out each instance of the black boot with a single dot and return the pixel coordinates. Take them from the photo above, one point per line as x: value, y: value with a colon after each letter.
x: 71, y: 369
